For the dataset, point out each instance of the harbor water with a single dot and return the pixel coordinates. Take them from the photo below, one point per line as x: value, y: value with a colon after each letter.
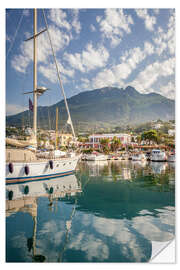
x: 108, y: 211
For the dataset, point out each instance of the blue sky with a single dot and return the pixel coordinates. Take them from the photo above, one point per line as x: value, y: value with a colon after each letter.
x: 94, y: 48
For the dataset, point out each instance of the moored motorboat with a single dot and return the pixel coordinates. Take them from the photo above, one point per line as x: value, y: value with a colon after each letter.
x: 158, y: 155
x: 96, y: 157
x: 171, y: 158
x: 138, y: 157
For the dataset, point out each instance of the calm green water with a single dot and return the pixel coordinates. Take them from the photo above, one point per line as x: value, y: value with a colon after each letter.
x: 108, y: 212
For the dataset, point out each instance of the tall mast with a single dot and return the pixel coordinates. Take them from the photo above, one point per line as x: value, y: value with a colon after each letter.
x: 56, y: 128
x: 35, y: 76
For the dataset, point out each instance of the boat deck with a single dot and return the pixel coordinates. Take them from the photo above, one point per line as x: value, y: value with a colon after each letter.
x: 22, y: 155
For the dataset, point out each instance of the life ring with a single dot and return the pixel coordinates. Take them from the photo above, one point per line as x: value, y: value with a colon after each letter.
x: 11, y: 168
x: 51, y: 164
x: 26, y: 169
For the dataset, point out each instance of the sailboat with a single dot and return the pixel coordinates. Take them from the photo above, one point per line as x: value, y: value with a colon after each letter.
x: 23, y: 165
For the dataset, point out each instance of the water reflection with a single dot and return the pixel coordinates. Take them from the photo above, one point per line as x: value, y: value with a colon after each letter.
x: 21, y: 201
x: 109, y: 212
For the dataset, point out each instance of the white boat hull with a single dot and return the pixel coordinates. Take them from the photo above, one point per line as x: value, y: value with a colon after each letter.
x: 140, y: 157
x: 40, y: 170
x: 171, y: 158
x: 158, y: 158
x: 96, y: 158
x: 158, y: 155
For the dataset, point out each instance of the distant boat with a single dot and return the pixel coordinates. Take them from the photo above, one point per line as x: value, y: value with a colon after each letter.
x: 114, y: 157
x: 158, y: 155
x: 96, y: 157
x: 125, y: 156
x: 138, y: 157
x: 171, y: 158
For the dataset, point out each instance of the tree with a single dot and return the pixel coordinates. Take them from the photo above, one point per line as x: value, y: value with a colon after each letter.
x: 82, y: 139
x: 150, y: 135
x: 138, y: 139
x: 105, y: 144
x: 115, y: 144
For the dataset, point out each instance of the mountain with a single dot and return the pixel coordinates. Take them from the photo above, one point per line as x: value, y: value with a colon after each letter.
x: 109, y: 106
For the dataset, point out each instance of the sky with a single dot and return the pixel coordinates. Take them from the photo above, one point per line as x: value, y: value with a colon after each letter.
x: 94, y: 48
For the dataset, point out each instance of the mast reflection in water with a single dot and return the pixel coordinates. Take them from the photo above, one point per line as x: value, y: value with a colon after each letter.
x: 108, y: 212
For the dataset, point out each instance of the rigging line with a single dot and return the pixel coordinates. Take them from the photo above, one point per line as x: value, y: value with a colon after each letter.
x: 12, y: 43
x: 58, y: 73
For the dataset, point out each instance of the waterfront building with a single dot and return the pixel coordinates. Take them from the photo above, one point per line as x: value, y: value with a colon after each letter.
x: 95, y: 139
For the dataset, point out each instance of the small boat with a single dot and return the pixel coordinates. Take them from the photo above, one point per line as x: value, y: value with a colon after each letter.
x: 96, y: 157
x: 125, y: 156
x: 138, y: 157
x: 114, y: 157
x: 171, y: 158
x: 158, y: 155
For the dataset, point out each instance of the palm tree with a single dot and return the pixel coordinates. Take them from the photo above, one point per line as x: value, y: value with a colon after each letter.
x: 115, y: 144
x: 105, y: 144
x: 150, y: 135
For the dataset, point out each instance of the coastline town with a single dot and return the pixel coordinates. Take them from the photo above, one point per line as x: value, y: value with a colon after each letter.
x: 136, y: 145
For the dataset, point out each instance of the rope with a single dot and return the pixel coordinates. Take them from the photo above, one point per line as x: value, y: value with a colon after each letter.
x: 58, y: 73
x: 12, y: 43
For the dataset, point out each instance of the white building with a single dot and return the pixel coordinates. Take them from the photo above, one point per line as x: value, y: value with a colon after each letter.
x: 96, y: 138
x: 171, y: 132
x: 157, y: 125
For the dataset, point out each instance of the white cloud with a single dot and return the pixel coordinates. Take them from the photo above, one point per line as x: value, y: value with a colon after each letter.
x: 59, y: 17
x: 165, y: 39
x: 148, y: 48
x: 86, y: 83
x: 122, y: 71
x: 149, y: 21
x: 59, y: 38
x: 152, y: 73
x: 114, y: 25
x: 76, y: 23
x: 49, y: 72
x: 26, y: 12
x: 104, y: 78
x: 92, y: 28
x: 90, y: 58
x: 156, y: 11
x: 21, y: 61
x: 168, y: 90
x: 118, y: 73
x: 14, y: 109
